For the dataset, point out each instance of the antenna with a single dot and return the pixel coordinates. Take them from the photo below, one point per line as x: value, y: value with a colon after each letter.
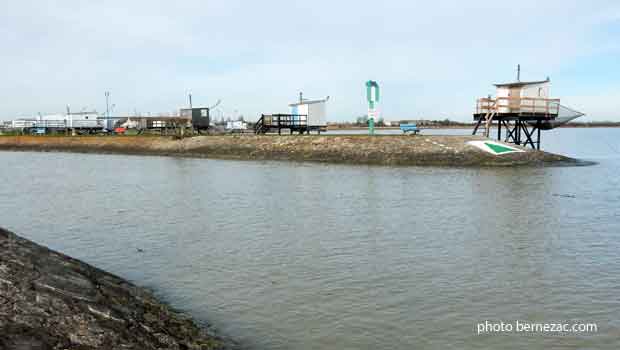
x: 107, y: 110
x: 216, y: 104
x: 518, y: 72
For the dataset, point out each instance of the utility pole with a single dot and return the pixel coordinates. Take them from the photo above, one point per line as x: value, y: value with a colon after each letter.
x: 107, y: 109
x: 70, y: 118
x: 190, y: 101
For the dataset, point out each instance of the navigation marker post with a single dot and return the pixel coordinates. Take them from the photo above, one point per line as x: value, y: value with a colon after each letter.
x: 373, y: 96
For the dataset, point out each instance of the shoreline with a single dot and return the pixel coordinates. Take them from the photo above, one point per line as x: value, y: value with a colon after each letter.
x: 384, y: 150
x: 49, y: 300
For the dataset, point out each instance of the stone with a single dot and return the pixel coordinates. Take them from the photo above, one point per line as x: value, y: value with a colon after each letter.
x: 51, y: 301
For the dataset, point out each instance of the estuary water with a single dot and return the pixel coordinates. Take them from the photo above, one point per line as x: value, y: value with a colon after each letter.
x: 281, y: 255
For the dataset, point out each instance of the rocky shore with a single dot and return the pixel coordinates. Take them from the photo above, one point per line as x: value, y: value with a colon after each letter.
x: 51, y: 301
x: 421, y: 150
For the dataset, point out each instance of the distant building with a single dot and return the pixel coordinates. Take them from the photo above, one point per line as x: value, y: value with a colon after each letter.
x: 79, y: 120
x: 237, y: 125
x: 90, y: 120
x: 199, y: 116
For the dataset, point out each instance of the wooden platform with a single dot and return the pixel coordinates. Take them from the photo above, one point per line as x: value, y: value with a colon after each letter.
x: 294, y: 123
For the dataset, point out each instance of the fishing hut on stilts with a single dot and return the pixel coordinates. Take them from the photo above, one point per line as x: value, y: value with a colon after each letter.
x: 522, y: 109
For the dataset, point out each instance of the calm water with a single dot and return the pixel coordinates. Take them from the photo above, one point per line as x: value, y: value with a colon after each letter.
x: 313, y: 256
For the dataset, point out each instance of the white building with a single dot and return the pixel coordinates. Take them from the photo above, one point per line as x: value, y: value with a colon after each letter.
x: 80, y: 120
x: 527, y: 96
x: 237, y: 125
x: 84, y: 120
x: 314, y: 110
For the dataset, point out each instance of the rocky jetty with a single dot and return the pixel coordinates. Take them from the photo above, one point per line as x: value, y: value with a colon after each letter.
x: 51, y: 301
x: 421, y: 150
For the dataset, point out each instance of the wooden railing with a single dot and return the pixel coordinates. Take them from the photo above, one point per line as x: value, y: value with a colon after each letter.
x: 521, y: 105
x: 259, y: 126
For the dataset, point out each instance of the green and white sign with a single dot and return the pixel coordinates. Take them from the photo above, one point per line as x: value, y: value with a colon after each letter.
x: 495, y: 148
x: 373, y: 96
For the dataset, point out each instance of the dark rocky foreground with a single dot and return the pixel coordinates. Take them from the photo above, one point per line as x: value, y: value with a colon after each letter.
x: 393, y: 150
x: 51, y: 301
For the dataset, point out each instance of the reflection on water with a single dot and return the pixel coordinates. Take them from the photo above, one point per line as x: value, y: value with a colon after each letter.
x: 305, y: 256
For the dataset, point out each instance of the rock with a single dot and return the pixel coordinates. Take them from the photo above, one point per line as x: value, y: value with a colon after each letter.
x: 51, y: 301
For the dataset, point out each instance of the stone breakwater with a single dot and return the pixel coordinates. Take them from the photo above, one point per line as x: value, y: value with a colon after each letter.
x: 397, y: 150
x: 51, y: 301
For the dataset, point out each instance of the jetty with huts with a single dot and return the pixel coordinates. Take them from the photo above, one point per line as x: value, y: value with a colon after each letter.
x: 522, y: 109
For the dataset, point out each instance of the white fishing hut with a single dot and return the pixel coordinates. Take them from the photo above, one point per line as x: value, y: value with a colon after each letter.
x: 314, y: 110
x: 523, y: 108
x: 305, y: 116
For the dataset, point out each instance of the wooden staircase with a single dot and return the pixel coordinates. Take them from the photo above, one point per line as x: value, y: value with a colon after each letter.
x: 487, y: 121
x: 260, y: 127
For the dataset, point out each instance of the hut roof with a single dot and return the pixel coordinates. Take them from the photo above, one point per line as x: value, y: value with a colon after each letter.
x: 522, y: 83
x: 308, y: 102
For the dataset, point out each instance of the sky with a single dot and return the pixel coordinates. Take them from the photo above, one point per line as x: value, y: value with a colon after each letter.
x: 432, y: 59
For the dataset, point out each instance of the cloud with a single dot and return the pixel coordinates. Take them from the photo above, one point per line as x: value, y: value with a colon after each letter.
x: 432, y: 58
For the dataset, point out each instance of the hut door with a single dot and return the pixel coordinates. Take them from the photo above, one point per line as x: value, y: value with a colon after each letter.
x: 515, y: 99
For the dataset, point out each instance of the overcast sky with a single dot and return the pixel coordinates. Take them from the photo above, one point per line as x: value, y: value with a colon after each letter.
x: 431, y: 58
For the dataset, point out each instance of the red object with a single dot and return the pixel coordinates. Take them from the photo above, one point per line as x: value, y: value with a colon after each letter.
x: 120, y: 130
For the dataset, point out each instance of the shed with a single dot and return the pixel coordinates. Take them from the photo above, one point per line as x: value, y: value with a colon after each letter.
x: 199, y: 115
x: 315, y: 110
x: 515, y: 96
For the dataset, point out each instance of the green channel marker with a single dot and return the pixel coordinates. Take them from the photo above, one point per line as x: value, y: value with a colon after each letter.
x: 372, y: 95
x: 499, y: 149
